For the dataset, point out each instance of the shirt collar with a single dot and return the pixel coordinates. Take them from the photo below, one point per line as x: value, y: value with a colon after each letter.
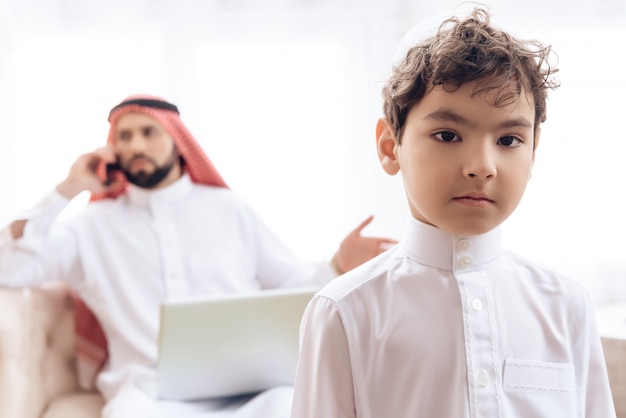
x: 169, y: 194
x: 437, y: 248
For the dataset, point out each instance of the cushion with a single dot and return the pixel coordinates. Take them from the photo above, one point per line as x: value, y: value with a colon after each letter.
x: 91, y: 345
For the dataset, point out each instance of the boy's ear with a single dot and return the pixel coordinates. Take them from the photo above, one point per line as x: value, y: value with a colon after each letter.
x: 386, y: 147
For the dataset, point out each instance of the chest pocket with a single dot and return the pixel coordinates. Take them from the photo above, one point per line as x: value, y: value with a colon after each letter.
x: 539, y: 389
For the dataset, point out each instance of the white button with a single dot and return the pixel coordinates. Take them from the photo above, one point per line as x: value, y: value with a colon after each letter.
x: 466, y: 260
x: 483, y: 378
x: 463, y: 244
x: 477, y: 304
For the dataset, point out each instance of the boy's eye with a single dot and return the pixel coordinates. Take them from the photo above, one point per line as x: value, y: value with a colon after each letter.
x: 447, y: 136
x: 510, y: 141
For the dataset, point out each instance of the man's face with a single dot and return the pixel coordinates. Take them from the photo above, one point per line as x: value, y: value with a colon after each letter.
x: 147, y: 153
x: 465, y: 163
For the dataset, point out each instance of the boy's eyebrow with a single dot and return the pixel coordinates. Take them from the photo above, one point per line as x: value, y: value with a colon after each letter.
x: 520, y: 122
x: 446, y: 115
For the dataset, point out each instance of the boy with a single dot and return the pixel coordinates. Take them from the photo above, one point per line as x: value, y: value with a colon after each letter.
x: 447, y: 324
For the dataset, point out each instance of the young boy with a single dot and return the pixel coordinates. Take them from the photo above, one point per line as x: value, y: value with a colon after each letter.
x: 447, y: 323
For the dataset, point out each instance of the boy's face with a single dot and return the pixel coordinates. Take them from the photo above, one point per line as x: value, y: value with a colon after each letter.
x: 465, y: 163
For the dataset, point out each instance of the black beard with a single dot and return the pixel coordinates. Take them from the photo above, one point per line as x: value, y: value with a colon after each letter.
x: 149, y: 181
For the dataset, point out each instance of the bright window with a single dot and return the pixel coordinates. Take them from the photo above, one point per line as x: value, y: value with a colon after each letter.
x: 60, y: 89
x: 274, y: 122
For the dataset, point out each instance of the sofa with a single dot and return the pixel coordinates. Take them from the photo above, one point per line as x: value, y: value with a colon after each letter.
x: 38, y: 376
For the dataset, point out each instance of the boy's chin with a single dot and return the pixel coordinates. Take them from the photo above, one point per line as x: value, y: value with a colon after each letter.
x: 462, y: 224
x: 468, y: 228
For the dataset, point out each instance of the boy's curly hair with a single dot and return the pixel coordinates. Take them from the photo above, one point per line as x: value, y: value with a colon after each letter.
x: 467, y: 50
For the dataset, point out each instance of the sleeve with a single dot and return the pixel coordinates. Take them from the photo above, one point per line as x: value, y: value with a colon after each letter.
x: 44, y: 252
x: 278, y: 266
x: 596, y: 397
x: 324, y: 379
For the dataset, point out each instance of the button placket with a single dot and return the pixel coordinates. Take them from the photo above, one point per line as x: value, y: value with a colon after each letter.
x: 479, y: 332
x: 463, y: 256
x: 171, y: 257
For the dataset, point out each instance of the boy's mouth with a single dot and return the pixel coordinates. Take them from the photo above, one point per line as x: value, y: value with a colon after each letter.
x: 474, y: 199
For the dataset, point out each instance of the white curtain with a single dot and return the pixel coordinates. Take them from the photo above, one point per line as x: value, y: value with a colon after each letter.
x: 284, y: 96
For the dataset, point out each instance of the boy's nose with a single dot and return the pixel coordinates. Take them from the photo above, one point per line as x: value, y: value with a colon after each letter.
x: 480, y: 164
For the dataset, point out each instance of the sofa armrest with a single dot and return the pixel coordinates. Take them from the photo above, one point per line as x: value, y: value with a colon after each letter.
x: 37, y: 360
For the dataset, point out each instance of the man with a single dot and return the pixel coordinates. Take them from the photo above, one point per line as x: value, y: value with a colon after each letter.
x: 175, y: 230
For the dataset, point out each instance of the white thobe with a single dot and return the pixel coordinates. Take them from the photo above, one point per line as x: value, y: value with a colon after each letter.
x: 449, y: 326
x: 126, y: 256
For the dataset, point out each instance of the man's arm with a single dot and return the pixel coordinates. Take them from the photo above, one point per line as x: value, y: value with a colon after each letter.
x: 83, y: 176
x: 279, y: 267
x: 27, y: 256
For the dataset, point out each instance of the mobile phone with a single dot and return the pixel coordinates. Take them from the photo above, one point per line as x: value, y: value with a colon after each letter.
x: 111, y: 169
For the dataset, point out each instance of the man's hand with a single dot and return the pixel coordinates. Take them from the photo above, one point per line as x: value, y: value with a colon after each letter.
x: 17, y: 228
x: 355, y: 249
x: 83, y: 174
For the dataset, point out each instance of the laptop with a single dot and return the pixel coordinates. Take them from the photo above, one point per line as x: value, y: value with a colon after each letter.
x: 228, y: 345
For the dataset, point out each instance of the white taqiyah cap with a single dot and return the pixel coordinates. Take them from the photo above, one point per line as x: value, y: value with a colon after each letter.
x: 428, y: 28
